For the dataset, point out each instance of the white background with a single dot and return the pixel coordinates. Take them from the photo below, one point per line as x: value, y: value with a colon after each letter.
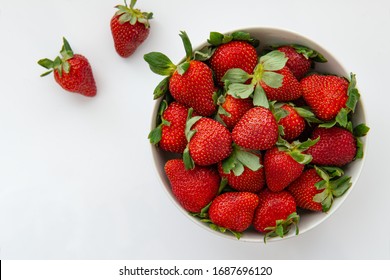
x: 76, y: 173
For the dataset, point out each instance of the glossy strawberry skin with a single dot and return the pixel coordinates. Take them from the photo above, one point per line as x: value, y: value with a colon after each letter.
x: 233, y: 210
x: 80, y: 77
x: 297, y: 63
x: 173, y: 137
x: 326, y: 95
x: 280, y: 169
x: 127, y: 37
x: 303, y: 190
x: 194, y: 88
x: 290, y: 89
x: 256, y: 130
x: 293, y: 124
x: 248, y: 181
x: 336, y: 147
x: 236, y: 107
x: 235, y: 54
x: 195, y: 188
x: 211, y: 143
x: 272, y: 206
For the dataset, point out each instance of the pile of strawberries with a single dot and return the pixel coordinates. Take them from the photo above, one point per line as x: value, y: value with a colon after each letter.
x: 255, y: 138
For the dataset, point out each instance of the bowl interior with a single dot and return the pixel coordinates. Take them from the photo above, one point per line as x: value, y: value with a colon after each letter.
x: 271, y: 36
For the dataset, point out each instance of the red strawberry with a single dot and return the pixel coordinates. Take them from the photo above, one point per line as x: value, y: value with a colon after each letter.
x: 169, y: 134
x: 256, y: 130
x: 190, y: 83
x: 275, y: 213
x: 297, y: 63
x: 194, y: 88
x: 234, y: 109
x: 248, y: 181
x: 336, y: 147
x: 72, y: 72
x: 208, y: 141
x: 235, y: 54
x: 303, y: 190
x: 293, y: 124
x: 280, y: 169
x: 289, y: 90
x: 194, y: 189
x: 325, y: 94
x: 233, y: 210
x: 130, y: 28
x: 317, y: 187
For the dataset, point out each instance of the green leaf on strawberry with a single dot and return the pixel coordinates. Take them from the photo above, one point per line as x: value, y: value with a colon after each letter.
x: 333, y: 185
x: 282, y: 227
x: 238, y: 159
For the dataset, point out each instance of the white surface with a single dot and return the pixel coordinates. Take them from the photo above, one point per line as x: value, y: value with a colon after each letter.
x: 76, y: 176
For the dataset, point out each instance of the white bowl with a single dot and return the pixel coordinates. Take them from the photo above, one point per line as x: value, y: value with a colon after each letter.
x: 270, y: 36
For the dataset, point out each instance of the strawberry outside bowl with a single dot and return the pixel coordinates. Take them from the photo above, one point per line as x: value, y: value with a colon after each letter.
x: 308, y: 220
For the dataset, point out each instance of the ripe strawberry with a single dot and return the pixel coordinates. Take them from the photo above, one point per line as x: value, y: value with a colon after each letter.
x: 169, y: 134
x: 256, y: 130
x: 275, y: 213
x: 208, y: 141
x: 288, y: 91
x: 234, y: 54
x: 248, y: 181
x: 326, y: 95
x: 72, y: 72
x: 280, y: 169
x: 317, y: 187
x: 194, y: 189
x: 293, y: 124
x: 233, y: 210
x: 194, y: 88
x: 303, y: 189
x: 130, y: 28
x: 190, y: 83
x: 336, y: 147
x: 234, y: 109
x: 297, y: 63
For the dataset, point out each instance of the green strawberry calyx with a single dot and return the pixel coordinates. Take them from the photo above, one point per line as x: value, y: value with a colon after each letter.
x: 160, y: 64
x: 264, y: 73
x: 296, y: 149
x: 155, y: 134
x: 131, y: 15
x: 333, y: 184
x: 307, y: 52
x: 282, y: 227
x: 239, y: 159
x: 59, y: 64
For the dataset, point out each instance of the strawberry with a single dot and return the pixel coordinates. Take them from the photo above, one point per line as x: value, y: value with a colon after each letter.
x: 233, y: 210
x: 233, y: 109
x: 234, y: 54
x: 303, y: 189
x: 297, y: 63
x: 275, y: 213
x: 249, y: 179
x: 169, y: 134
x: 256, y: 130
x: 194, y: 189
x: 317, y: 187
x: 293, y: 124
x: 208, y: 142
x: 285, y: 163
x: 336, y: 147
x: 326, y: 95
x: 194, y: 88
x: 290, y: 88
x: 129, y: 28
x: 190, y: 83
x: 72, y: 72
